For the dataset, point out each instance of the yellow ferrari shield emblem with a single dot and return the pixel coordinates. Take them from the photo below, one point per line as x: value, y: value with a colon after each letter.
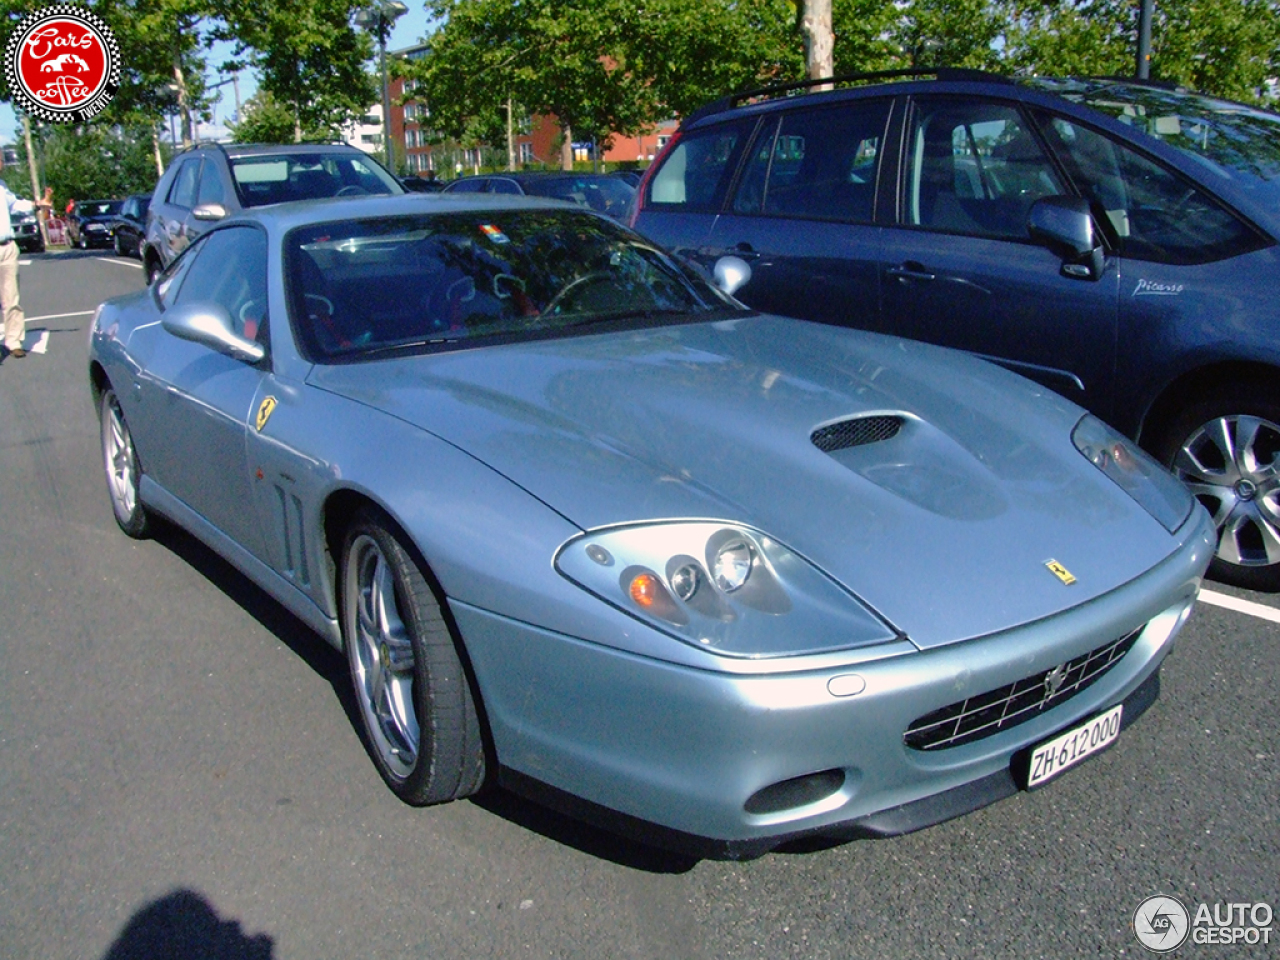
x: 264, y: 412
x: 1061, y: 572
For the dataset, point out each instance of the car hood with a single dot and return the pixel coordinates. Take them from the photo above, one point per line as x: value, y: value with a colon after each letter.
x: 944, y: 528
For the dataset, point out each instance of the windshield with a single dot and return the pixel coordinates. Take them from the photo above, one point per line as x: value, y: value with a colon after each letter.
x: 278, y: 178
x: 425, y: 282
x: 1232, y: 140
x: 100, y: 208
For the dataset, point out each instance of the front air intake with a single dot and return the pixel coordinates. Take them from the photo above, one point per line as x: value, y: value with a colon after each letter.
x: 856, y: 432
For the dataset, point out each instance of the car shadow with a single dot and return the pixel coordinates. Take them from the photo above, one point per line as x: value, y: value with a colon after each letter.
x: 332, y: 666
x: 183, y: 926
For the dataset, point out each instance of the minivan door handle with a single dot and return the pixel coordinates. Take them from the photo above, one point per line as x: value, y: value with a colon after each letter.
x: 911, y: 270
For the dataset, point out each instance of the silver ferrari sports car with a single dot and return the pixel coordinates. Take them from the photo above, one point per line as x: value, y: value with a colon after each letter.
x: 587, y: 528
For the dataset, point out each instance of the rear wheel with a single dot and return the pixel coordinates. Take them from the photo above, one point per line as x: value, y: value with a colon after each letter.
x: 153, y: 268
x: 123, y: 471
x: 1226, y: 449
x: 419, y: 717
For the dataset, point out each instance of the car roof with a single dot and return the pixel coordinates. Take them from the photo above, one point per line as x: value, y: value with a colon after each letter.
x: 286, y: 216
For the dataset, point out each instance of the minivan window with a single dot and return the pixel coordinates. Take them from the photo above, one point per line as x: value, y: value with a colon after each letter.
x: 975, y: 168
x: 819, y: 164
x: 183, y: 192
x: 1156, y: 215
x: 695, y: 175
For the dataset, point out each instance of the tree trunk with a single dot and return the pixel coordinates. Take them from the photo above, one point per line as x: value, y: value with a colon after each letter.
x: 511, y: 138
x: 155, y: 145
x: 566, y: 148
x: 41, y: 213
x: 815, y: 25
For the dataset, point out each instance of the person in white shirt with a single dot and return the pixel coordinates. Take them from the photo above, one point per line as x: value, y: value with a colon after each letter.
x: 15, y: 322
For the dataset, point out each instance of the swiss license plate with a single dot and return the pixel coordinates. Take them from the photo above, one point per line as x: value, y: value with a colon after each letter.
x: 1066, y: 750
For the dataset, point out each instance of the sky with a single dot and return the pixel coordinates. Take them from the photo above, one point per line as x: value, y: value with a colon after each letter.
x: 408, y: 30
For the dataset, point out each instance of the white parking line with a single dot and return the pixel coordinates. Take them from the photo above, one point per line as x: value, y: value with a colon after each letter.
x: 1259, y: 610
x: 123, y: 263
x: 60, y: 316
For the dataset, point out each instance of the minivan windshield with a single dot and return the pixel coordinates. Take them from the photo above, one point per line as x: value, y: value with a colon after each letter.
x: 1231, y: 139
x: 436, y: 281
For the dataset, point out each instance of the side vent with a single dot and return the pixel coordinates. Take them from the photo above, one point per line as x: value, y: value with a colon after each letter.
x: 856, y: 432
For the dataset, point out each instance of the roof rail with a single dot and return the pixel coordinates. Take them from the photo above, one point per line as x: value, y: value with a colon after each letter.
x: 798, y: 86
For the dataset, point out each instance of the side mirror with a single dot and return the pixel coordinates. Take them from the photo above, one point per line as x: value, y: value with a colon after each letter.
x: 731, y: 274
x: 209, y: 324
x: 1065, y: 225
x: 209, y: 211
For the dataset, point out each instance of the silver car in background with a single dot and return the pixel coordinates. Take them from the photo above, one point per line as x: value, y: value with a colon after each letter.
x: 589, y: 529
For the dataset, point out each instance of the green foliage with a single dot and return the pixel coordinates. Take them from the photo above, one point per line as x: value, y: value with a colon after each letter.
x: 309, y: 57
x: 96, y: 161
x: 264, y: 119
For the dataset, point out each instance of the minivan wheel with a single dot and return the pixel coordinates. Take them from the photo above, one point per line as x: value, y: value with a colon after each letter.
x: 1226, y: 449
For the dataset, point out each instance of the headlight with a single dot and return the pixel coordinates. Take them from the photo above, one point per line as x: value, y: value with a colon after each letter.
x: 721, y: 587
x: 1157, y: 490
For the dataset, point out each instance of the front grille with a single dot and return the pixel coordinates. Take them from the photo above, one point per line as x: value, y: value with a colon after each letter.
x: 988, y: 713
x: 855, y: 432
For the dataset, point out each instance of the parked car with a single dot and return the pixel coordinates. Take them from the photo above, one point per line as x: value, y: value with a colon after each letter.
x: 89, y: 225
x: 603, y: 193
x: 210, y: 182
x: 130, y: 227
x: 587, y: 527
x: 1114, y: 240
x: 417, y: 184
x: 26, y: 231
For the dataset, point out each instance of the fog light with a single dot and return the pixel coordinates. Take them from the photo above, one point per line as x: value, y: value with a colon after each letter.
x: 797, y: 792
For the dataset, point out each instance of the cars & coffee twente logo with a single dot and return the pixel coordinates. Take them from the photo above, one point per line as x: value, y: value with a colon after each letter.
x: 62, y: 64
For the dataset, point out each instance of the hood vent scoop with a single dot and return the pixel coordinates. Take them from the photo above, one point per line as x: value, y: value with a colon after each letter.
x: 856, y: 432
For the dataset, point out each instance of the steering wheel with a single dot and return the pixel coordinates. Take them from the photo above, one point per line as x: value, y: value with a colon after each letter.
x: 328, y: 304
x: 351, y: 190
x: 595, y: 276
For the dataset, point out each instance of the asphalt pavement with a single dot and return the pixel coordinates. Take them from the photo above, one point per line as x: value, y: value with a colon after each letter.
x: 181, y: 778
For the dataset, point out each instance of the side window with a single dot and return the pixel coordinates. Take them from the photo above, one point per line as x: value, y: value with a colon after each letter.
x: 211, y: 189
x: 467, y: 186
x: 975, y: 168
x: 1155, y: 214
x: 695, y: 175
x: 230, y: 269
x: 503, y: 185
x: 183, y: 191
x: 816, y: 163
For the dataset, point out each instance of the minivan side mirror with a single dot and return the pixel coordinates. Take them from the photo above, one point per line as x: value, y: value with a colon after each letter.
x: 731, y: 274
x: 209, y: 324
x: 1065, y: 226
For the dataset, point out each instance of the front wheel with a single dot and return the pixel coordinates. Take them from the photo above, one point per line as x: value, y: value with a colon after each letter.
x: 123, y: 471
x: 1226, y: 449
x: 419, y: 717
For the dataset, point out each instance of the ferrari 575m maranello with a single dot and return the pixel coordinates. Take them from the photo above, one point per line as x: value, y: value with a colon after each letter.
x: 588, y: 529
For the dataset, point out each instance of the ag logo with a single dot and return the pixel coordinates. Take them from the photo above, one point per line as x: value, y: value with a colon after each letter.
x: 265, y: 409
x: 1161, y: 923
x: 62, y: 64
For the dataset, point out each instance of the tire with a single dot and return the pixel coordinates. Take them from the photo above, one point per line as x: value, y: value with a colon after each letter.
x: 153, y: 269
x: 123, y: 471
x: 419, y: 717
x: 119, y: 247
x: 1226, y: 449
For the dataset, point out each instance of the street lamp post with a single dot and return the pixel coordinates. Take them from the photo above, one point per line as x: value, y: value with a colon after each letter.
x: 379, y: 20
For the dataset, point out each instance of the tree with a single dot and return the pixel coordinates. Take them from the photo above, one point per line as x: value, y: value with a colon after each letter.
x: 309, y: 56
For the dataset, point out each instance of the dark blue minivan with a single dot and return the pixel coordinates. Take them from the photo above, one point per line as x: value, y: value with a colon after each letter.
x: 1114, y: 240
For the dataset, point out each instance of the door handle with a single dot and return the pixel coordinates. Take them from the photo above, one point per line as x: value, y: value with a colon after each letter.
x: 911, y: 271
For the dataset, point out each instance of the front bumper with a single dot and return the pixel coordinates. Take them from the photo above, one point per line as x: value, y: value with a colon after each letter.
x: 671, y: 752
